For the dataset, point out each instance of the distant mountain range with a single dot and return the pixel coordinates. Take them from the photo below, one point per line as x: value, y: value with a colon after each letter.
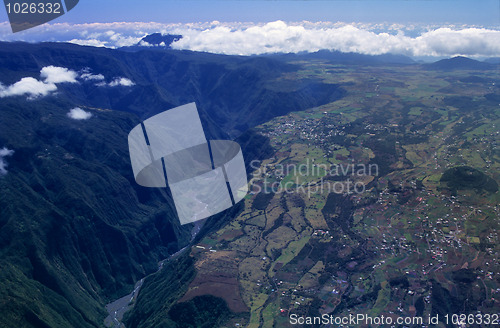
x: 164, y: 41
x: 350, y: 58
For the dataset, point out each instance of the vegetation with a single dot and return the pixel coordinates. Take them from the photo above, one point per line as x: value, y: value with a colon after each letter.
x: 465, y: 177
x: 76, y: 231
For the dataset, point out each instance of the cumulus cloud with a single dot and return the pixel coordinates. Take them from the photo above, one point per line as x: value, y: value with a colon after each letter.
x: 34, y: 88
x: 4, y: 152
x: 28, y: 86
x: 79, y: 114
x: 55, y: 74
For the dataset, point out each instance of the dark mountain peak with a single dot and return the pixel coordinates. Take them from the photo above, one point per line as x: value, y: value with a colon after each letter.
x: 462, y: 60
x: 156, y: 41
x: 458, y: 62
x: 163, y: 40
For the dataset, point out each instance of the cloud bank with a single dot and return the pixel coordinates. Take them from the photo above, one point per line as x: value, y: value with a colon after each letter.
x: 282, y: 37
x: 79, y: 114
x: 4, y: 152
x: 279, y: 37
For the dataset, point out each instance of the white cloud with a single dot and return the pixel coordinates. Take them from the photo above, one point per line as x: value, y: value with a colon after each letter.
x: 54, y: 74
x: 121, y: 81
x: 28, y: 86
x: 260, y: 38
x: 108, y: 39
x: 468, y: 42
x: 92, y: 77
x: 100, y: 80
x: 34, y: 88
x: 79, y: 114
x: 88, y: 42
x: 120, y: 40
x: 109, y: 35
x: 143, y: 43
x: 278, y: 37
x: 4, y: 152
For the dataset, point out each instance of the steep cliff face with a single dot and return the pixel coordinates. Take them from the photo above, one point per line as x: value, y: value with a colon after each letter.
x: 233, y: 93
x: 75, y: 229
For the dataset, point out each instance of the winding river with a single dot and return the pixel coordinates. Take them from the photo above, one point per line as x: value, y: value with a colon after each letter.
x: 117, y: 308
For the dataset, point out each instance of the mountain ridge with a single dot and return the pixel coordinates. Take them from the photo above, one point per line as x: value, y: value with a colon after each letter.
x: 227, y: 86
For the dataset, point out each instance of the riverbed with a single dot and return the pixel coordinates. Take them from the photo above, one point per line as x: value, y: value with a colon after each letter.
x: 117, y: 308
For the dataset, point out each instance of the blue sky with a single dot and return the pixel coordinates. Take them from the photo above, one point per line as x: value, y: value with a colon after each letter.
x: 482, y: 12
